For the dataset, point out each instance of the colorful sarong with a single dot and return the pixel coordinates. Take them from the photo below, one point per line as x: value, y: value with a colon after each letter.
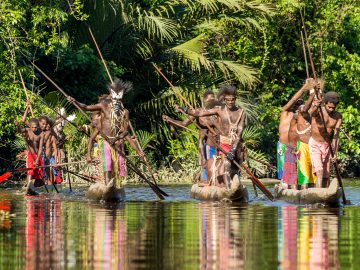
x: 36, y: 174
x: 290, y: 170
x: 320, y: 157
x: 111, y: 160
x: 56, y: 171
x: 209, y: 152
x: 304, y: 166
x: 226, y: 147
x: 281, y: 148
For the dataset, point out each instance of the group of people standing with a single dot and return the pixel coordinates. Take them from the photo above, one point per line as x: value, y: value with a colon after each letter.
x: 221, y: 123
x: 45, y: 139
x: 307, y: 131
x: 45, y: 142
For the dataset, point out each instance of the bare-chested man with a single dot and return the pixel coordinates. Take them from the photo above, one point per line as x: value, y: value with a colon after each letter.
x: 231, y: 125
x: 34, y: 138
x: 321, y: 136
x: 114, y: 128
x: 306, y: 176
x: 286, y: 147
x: 53, y: 154
x: 207, y: 148
x: 96, y: 125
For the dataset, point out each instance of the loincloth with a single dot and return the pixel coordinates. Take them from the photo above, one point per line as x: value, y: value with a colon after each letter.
x: 37, y: 174
x: 290, y: 170
x: 111, y: 159
x: 320, y: 156
x: 281, y: 148
x: 304, y: 166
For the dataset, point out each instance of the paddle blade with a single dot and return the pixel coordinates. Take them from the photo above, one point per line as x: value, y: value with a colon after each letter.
x: 5, y: 176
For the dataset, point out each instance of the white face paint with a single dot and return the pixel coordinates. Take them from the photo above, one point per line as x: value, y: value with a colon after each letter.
x: 116, y: 96
x: 116, y: 100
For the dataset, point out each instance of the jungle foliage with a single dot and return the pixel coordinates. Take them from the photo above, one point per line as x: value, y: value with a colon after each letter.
x: 197, y: 44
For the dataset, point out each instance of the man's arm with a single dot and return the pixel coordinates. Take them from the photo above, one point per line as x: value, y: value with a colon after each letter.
x: 23, y: 119
x: 308, y: 103
x: 309, y: 84
x: 19, y: 129
x: 335, y: 141
x: 41, y: 145
x: 178, y: 123
x: 96, y: 107
x: 55, y: 150
x: 199, y: 112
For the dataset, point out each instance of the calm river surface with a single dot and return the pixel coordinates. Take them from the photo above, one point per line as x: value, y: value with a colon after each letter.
x: 68, y: 232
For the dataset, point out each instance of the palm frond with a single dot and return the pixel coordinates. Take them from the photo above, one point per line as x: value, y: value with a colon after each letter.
x: 156, y: 26
x: 245, y: 74
x: 191, y: 53
x: 254, y: 165
x: 18, y: 144
x: 252, y: 136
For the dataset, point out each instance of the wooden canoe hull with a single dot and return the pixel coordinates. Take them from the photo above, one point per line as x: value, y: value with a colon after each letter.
x: 32, y: 190
x: 237, y: 192
x: 107, y: 193
x: 330, y: 196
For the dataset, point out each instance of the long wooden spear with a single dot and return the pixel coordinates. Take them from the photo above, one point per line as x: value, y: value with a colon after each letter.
x: 194, y: 132
x: 252, y: 177
x: 332, y: 152
x: 134, y: 136
x: 26, y: 93
x: 155, y: 188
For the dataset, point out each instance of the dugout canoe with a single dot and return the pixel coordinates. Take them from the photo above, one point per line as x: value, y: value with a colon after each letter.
x: 32, y: 190
x: 329, y: 196
x: 107, y: 193
x: 237, y: 192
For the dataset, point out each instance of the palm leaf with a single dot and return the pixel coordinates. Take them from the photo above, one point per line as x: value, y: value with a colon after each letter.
x: 245, y: 74
x: 191, y: 53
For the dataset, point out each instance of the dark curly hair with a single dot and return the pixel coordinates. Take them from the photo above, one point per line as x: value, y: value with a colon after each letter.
x: 34, y: 120
x: 44, y: 117
x: 331, y: 97
x: 208, y: 93
x: 226, y: 89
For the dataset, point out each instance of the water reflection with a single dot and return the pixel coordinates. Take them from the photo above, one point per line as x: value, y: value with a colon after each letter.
x: 308, y: 239
x: 44, y: 241
x: 55, y: 233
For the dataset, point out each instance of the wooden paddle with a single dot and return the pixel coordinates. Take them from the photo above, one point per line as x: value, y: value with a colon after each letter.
x: 8, y: 174
x: 252, y: 177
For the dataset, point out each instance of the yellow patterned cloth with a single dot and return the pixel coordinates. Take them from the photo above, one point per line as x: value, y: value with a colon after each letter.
x: 304, y: 166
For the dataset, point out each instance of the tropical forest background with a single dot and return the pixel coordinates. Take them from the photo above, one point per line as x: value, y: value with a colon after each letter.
x: 198, y: 45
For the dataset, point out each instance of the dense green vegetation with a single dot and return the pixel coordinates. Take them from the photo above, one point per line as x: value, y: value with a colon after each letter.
x: 198, y: 44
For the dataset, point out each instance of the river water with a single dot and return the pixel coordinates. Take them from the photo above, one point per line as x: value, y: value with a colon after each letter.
x: 68, y: 232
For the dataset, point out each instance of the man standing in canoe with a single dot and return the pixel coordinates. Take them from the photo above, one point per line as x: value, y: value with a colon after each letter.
x: 114, y: 129
x: 321, y: 136
x: 207, y: 148
x: 34, y: 141
x: 288, y: 137
x: 231, y: 125
x: 306, y: 176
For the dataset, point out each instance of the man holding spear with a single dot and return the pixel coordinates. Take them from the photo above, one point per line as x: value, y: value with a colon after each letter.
x: 231, y: 123
x: 325, y: 129
x: 114, y: 126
